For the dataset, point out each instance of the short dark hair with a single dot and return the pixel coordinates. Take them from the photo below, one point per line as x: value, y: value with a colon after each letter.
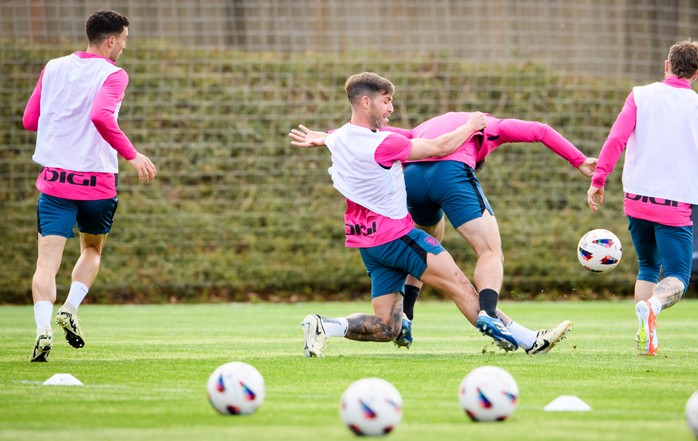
x: 367, y: 84
x: 103, y: 24
x: 683, y: 59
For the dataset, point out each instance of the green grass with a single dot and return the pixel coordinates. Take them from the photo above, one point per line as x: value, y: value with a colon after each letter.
x: 145, y: 368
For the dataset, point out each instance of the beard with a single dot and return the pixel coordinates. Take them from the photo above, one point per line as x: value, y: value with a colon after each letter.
x: 379, y: 122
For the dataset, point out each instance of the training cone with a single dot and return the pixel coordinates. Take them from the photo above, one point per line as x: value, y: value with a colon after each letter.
x: 62, y: 380
x: 567, y: 403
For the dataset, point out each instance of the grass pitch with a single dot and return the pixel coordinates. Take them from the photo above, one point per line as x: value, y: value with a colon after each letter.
x: 145, y: 368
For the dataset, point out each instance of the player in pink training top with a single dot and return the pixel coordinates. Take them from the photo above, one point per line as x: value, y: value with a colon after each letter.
x: 73, y: 109
x: 367, y: 170
x: 659, y: 126
x: 449, y: 185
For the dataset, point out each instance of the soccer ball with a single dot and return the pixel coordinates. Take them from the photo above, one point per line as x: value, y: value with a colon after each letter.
x: 599, y: 251
x: 371, y: 406
x: 235, y: 389
x: 488, y: 393
x: 692, y: 413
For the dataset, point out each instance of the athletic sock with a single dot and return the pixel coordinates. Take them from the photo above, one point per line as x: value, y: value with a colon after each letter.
x: 488, y: 301
x: 411, y: 294
x: 335, y: 327
x: 655, y: 304
x: 78, y: 292
x: 525, y: 337
x: 43, y: 311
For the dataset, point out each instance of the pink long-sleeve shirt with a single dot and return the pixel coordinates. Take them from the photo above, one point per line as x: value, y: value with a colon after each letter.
x: 497, y: 132
x: 52, y: 180
x: 638, y: 206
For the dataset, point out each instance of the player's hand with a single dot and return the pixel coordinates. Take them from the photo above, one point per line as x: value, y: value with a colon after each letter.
x: 592, y: 193
x: 145, y: 168
x: 304, y: 137
x: 477, y: 121
x: 588, y: 167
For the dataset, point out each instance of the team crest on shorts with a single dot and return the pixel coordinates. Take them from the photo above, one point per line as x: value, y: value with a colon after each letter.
x: 431, y: 241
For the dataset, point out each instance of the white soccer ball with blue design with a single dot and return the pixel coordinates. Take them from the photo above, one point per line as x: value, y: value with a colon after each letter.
x: 371, y: 406
x: 599, y: 251
x: 236, y: 388
x: 488, y: 393
x: 692, y: 413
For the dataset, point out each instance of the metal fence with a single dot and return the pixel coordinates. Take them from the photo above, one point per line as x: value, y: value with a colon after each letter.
x: 216, y: 85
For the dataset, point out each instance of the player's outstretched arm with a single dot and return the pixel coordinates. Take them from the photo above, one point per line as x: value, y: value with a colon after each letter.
x: 517, y: 130
x: 145, y: 168
x: 304, y: 137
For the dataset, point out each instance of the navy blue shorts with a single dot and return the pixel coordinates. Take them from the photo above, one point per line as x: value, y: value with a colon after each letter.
x: 451, y: 187
x: 662, y: 247
x: 57, y: 216
x: 389, y: 264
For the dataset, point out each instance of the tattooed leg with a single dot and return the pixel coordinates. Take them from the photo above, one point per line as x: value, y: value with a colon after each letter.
x: 668, y: 291
x: 383, y: 326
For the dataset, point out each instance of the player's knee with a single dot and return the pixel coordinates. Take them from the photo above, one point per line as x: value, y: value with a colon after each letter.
x: 46, y: 268
x: 92, y: 252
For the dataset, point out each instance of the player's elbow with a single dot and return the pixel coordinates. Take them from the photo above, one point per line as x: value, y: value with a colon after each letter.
x: 437, y: 152
x: 440, y: 149
x: 30, y: 123
x: 99, y: 119
x: 540, y: 130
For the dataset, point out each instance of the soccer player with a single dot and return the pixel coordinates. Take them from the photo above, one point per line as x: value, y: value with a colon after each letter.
x: 367, y: 171
x: 658, y: 125
x: 449, y: 185
x: 73, y: 109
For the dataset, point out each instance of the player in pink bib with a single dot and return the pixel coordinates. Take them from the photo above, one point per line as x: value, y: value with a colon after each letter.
x: 449, y: 185
x: 74, y: 110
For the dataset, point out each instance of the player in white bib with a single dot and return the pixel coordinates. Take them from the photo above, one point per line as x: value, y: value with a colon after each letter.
x: 74, y: 110
x: 658, y: 129
x: 367, y: 171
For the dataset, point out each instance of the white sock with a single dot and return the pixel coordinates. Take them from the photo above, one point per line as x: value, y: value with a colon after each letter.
x: 335, y: 327
x: 525, y: 337
x: 655, y: 304
x: 43, y: 311
x: 77, y: 293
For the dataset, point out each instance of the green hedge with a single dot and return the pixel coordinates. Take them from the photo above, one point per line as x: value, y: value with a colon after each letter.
x: 237, y: 214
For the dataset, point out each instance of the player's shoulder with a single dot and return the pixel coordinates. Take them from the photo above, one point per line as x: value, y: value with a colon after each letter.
x: 394, y: 141
x: 59, y: 60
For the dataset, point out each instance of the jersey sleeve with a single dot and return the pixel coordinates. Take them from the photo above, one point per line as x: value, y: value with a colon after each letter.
x: 30, y: 119
x: 616, y: 142
x: 395, y: 147
x: 516, y: 130
x: 103, y: 114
